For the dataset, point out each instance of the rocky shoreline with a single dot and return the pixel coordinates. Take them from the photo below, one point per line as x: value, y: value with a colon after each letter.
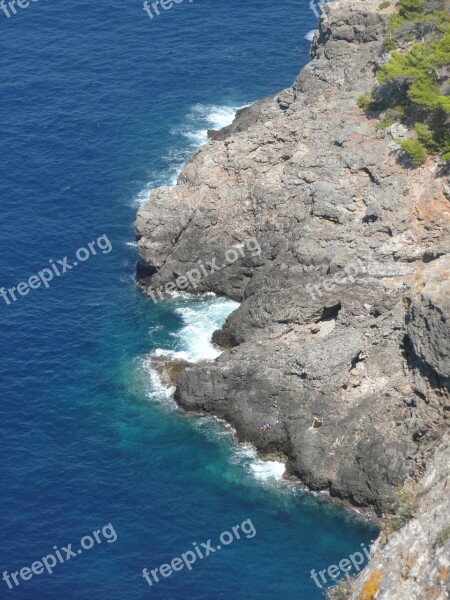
x: 341, y: 341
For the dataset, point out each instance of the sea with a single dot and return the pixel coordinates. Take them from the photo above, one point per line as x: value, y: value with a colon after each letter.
x: 100, y: 472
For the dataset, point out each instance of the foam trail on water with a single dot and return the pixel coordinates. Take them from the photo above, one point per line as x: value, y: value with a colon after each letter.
x: 268, y: 469
x: 242, y: 455
x: 310, y: 35
x: 200, y: 319
x: 264, y: 470
x: 192, y: 342
x: 187, y: 138
x: 201, y: 118
x: 156, y: 390
x: 200, y: 316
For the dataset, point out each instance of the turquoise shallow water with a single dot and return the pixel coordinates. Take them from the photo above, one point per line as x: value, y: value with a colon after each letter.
x: 99, y: 104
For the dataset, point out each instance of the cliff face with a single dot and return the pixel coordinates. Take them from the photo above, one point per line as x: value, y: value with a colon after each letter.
x: 415, y: 563
x: 330, y: 344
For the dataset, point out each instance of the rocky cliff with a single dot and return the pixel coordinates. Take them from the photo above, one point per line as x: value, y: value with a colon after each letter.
x: 341, y: 339
x: 414, y: 563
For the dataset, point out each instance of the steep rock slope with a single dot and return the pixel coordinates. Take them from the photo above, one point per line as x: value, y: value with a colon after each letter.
x: 415, y: 563
x: 319, y: 346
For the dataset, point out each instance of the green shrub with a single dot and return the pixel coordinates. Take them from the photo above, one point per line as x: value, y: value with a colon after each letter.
x: 389, y: 118
x: 418, y: 11
x: 442, y: 537
x: 384, y: 5
x: 389, y: 42
x: 365, y: 102
x: 412, y: 82
x: 372, y: 103
x: 410, y: 8
x: 406, y: 501
x: 436, y: 139
x: 418, y: 67
x: 415, y: 150
x: 426, y: 137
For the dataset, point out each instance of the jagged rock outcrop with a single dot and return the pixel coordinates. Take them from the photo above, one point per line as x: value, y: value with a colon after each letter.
x: 428, y: 323
x: 327, y: 331
x: 414, y: 564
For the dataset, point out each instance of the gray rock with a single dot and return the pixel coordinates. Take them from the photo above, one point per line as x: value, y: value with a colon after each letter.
x: 414, y: 563
x: 320, y: 334
x: 428, y: 322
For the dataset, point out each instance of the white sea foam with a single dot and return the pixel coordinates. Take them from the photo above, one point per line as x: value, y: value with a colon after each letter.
x: 201, y: 118
x: 200, y: 319
x: 243, y: 455
x: 156, y: 391
x: 263, y: 470
x: 194, y: 129
x: 192, y: 342
x: 310, y: 35
x: 268, y: 469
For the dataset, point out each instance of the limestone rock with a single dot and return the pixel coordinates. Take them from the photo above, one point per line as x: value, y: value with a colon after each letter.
x: 331, y: 322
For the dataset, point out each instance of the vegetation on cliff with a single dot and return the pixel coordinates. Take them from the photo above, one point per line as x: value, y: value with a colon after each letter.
x: 413, y: 84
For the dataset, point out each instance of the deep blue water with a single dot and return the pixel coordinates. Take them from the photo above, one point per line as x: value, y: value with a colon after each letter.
x: 100, y: 103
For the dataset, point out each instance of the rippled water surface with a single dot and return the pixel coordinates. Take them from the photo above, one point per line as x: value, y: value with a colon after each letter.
x: 99, y: 105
